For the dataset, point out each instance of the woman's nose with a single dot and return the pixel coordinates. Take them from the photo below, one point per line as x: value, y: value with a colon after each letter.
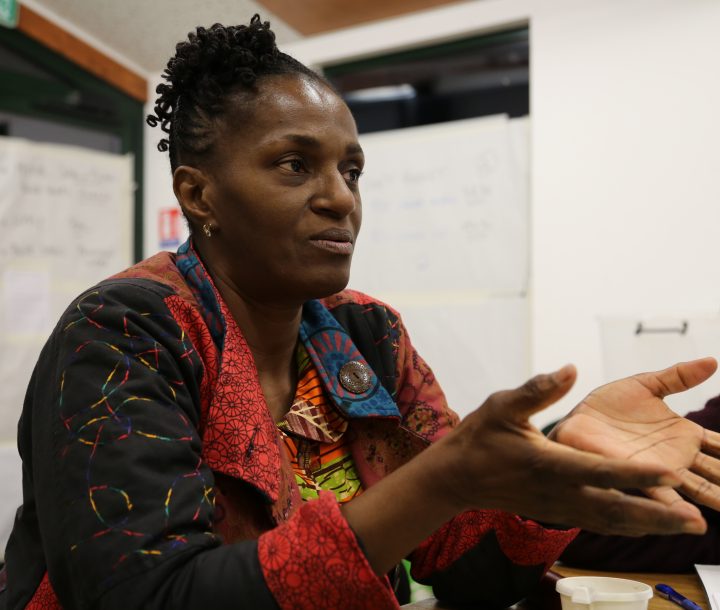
x: 334, y: 195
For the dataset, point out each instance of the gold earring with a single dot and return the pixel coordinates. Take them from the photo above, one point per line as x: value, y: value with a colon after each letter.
x: 207, y: 229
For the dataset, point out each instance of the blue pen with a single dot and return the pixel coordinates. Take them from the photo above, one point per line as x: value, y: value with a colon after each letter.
x: 668, y: 592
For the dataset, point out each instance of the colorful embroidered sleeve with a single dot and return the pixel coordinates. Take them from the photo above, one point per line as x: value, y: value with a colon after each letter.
x: 115, y: 486
x: 480, y: 556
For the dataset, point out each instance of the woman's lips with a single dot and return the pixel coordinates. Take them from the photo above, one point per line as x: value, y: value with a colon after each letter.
x: 337, y: 247
x: 337, y: 241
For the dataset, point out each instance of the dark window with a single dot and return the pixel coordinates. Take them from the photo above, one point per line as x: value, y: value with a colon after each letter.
x: 463, y: 79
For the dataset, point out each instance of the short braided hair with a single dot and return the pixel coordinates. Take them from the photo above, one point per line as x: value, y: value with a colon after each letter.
x: 210, y: 67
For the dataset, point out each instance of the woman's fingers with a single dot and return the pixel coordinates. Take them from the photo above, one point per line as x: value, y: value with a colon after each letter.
x: 711, y: 442
x: 588, y: 486
x: 535, y: 394
x: 699, y: 489
x: 678, y: 378
x: 707, y: 467
x: 583, y: 468
x: 669, y: 497
x: 613, y: 512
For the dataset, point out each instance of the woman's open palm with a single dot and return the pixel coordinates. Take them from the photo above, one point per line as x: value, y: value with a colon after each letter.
x: 628, y: 419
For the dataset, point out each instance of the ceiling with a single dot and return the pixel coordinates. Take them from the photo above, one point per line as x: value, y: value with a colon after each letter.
x: 146, y: 32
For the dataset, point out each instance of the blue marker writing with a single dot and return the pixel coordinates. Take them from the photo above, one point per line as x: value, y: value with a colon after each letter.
x: 668, y: 592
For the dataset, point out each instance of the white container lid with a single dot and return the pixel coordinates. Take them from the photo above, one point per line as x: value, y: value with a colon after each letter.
x: 591, y: 589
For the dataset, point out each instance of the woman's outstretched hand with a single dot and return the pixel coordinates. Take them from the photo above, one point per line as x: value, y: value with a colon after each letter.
x: 497, y: 459
x: 628, y: 419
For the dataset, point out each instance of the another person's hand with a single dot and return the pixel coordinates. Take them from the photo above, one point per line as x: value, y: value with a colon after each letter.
x: 628, y: 419
x: 497, y: 459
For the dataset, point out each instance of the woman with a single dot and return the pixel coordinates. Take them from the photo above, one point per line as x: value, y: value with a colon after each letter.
x: 202, y: 431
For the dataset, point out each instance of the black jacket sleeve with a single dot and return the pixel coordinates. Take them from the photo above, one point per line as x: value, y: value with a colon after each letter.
x: 116, y: 492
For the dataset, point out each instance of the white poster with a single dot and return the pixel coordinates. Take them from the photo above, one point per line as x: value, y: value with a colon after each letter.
x: 445, y: 208
x: 66, y: 222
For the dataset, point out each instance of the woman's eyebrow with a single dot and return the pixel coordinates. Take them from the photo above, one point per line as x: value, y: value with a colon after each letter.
x: 313, y: 142
x: 353, y: 149
x: 304, y: 140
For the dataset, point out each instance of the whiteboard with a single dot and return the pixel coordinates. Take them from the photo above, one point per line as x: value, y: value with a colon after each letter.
x: 445, y: 241
x: 66, y: 221
x: 444, y: 209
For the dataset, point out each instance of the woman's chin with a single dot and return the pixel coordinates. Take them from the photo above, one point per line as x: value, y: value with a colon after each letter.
x: 328, y: 285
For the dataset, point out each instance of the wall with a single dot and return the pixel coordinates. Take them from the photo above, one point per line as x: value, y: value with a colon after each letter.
x: 624, y: 98
x: 158, y: 191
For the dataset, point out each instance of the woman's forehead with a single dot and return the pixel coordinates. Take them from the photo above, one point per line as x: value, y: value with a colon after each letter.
x: 296, y: 104
x: 297, y: 93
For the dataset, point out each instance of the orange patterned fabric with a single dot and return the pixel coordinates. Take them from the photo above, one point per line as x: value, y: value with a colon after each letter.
x: 311, y: 415
x: 313, y: 433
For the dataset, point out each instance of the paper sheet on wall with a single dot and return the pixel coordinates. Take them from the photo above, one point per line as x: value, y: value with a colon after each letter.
x: 445, y: 209
x: 26, y: 301
x: 65, y: 216
x: 659, y: 344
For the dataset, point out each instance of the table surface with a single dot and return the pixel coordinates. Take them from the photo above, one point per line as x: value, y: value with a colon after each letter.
x: 687, y: 584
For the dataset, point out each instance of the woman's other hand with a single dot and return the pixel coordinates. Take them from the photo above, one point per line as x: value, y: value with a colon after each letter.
x: 497, y: 459
x: 628, y: 419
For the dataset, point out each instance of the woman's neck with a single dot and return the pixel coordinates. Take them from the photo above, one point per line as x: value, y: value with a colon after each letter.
x: 271, y: 332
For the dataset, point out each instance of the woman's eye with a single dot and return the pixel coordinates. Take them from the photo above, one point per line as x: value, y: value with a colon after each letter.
x: 353, y: 175
x: 294, y: 165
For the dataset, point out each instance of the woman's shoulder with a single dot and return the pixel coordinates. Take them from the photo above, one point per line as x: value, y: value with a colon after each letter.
x: 355, y: 297
x: 159, y: 270
x: 145, y: 285
x: 372, y: 323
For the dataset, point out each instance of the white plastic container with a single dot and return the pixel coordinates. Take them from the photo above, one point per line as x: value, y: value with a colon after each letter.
x: 602, y: 593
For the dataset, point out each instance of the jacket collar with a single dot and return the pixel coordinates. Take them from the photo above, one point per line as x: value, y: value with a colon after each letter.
x: 330, y: 348
x: 239, y: 436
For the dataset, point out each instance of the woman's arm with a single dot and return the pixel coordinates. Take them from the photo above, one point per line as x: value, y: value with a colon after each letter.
x: 505, y: 554
x: 496, y: 460
x: 122, y: 497
x: 109, y: 439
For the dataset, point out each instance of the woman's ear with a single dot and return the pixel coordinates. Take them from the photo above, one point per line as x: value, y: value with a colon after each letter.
x: 192, y: 190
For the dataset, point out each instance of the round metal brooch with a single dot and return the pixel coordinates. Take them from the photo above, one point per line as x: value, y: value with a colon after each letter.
x: 355, y: 377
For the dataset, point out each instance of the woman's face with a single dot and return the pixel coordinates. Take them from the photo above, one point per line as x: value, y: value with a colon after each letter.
x: 283, y: 190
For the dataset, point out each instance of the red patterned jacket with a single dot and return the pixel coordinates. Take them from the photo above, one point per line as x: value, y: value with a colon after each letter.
x: 154, y: 476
